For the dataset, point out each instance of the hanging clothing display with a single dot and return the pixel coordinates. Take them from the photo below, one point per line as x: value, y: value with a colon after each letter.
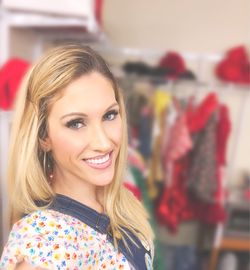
x: 202, y: 180
x: 196, y: 184
x: 188, y: 144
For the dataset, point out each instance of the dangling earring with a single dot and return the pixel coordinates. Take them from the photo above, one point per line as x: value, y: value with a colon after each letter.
x: 44, y: 162
x: 47, y: 166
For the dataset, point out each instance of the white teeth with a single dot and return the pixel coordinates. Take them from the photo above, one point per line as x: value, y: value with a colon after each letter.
x: 98, y: 160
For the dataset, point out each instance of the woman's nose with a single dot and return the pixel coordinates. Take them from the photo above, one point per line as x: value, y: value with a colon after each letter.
x: 99, y: 139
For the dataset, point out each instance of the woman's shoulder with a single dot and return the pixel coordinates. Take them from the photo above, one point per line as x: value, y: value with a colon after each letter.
x: 37, y: 220
x: 45, y: 222
x: 43, y: 239
x: 49, y: 239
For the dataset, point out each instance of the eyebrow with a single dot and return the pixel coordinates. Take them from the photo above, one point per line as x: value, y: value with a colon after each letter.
x: 85, y: 115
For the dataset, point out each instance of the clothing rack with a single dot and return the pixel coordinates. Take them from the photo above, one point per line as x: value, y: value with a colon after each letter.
x: 224, y: 91
x: 198, y: 89
x: 199, y: 61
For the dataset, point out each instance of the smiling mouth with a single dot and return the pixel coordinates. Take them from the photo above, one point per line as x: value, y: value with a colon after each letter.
x: 100, y: 161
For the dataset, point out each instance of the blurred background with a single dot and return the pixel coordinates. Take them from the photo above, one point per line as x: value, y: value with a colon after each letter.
x: 184, y: 68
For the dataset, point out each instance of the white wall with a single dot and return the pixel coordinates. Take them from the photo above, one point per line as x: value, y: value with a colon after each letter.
x: 185, y: 25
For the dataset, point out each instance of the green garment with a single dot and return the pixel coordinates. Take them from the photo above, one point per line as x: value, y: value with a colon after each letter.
x: 141, y: 184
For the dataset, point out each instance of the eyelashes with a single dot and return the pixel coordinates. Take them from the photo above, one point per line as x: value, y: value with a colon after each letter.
x: 80, y: 122
x: 110, y: 115
x: 75, y: 123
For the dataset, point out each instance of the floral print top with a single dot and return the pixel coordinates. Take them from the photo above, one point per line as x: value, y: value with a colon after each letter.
x: 55, y: 240
x: 51, y: 240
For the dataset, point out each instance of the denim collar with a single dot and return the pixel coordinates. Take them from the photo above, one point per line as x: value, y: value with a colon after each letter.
x: 99, y: 222
x: 136, y: 254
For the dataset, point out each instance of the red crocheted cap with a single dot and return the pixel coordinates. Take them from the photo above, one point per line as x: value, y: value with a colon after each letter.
x: 174, y: 63
x: 235, y: 67
x: 11, y: 75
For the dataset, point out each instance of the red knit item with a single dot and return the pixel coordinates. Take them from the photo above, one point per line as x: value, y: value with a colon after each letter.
x: 198, y: 117
x: 174, y: 63
x: 235, y: 67
x: 11, y: 74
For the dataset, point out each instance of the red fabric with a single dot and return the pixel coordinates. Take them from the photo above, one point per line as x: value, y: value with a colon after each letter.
x: 179, y: 141
x: 134, y: 189
x: 11, y: 74
x: 198, y: 117
x: 176, y: 205
x: 247, y: 194
x: 223, y: 131
x: 235, y: 67
x: 174, y: 63
x: 98, y: 10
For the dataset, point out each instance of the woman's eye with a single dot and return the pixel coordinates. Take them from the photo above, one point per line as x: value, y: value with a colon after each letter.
x: 75, y: 124
x: 111, y: 115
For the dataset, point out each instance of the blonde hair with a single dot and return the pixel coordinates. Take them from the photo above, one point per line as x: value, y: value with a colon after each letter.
x: 27, y: 179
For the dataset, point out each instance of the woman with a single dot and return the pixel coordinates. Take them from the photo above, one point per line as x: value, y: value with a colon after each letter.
x: 66, y: 163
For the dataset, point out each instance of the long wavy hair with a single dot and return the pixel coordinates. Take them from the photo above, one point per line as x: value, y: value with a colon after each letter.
x: 28, y: 181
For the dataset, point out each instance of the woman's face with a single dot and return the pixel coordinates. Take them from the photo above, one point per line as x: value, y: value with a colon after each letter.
x: 84, y: 132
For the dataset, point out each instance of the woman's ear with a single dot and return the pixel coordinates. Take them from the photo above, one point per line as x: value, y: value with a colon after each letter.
x: 45, y: 144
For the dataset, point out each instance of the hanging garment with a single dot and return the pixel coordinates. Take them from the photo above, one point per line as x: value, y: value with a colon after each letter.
x: 11, y: 75
x: 140, y: 119
x: 145, y: 132
x: 179, y: 139
x: 208, y: 184
x: 173, y: 204
x: 147, y: 202
x: 161, y: 101
x: 202, y: 178
x: 176, y: 204
x: 223, y: 131
x: 198, y: 116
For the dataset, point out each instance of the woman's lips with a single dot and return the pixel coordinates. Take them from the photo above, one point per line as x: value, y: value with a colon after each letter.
x: 100, y: 162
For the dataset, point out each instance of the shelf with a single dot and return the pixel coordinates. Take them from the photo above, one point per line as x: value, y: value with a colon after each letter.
x: 39, y: 24
x: 233, y: 243
x: 31, y: 20
x: 77, y: 8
